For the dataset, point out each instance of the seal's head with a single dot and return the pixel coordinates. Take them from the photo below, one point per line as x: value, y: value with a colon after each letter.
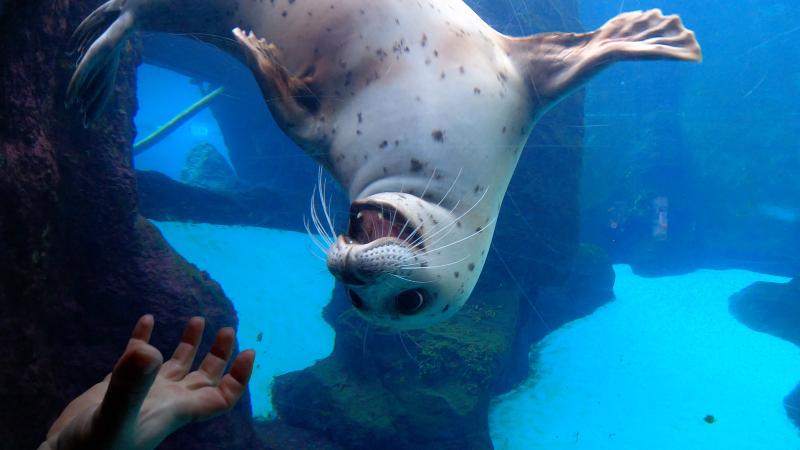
x: 403, y: 261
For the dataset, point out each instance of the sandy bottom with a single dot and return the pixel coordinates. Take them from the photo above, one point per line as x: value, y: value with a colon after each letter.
x: 645, y: 370
x: 278, y: 288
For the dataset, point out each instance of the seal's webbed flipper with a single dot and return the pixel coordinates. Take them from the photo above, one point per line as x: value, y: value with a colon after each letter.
x: 557, y: 63
x: 293, y: 103
x: 97, y: 40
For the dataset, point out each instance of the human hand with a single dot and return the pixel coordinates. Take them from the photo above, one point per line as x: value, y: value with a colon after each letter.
x: 143, y: 401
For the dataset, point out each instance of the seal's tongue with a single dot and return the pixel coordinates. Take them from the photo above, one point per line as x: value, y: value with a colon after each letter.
x: 369, y: 223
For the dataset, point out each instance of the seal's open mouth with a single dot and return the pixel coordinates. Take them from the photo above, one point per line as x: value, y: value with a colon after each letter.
x: 373, y: 221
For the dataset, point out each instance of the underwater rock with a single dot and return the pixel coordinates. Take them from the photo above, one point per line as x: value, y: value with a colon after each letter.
x: 589, y: 285
x: 773, y: 308
x: 163, y: 199
x: 78, y: 264
x: 278, y: 435
x: 416, y: 390
x: 431, y: 389
x: 792, y: 405
x: 207, y: 168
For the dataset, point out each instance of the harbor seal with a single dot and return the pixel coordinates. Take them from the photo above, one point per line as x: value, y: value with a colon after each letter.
x: 419, y: 109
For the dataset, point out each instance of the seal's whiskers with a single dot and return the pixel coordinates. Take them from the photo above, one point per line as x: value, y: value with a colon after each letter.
x: 322, y: 196
x: 394, y: 213
x: 312, y: 236
x: 479, y: 231
x: 321, y: 238
x: 450, y: 226
x: 443, y: 227
x: 455, y: 180
x: 409, y: 279
x: 458, y: 202
x: 420, y: 266
x: 316, y: 255
x: 422, y: 196
x: 316, y: 221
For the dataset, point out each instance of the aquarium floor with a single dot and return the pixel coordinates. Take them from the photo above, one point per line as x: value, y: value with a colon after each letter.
x: 278, y: 288
x: 647, y: 371
x: 651, y: 370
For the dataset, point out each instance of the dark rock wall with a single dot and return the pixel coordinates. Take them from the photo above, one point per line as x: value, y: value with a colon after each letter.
x: 78, y: 264
x: 164, y: 199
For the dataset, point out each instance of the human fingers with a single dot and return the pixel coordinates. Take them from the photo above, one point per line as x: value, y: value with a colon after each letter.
x: 141, y: 331
x: 181, y: 361
x: 213, y: 365
x: 215, y: 400
x: 131, y: 379
x: 234, y: 383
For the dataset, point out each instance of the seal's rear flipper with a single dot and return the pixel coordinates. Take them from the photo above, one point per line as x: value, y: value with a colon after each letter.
x: 557, y: 63
x: 97, y: 40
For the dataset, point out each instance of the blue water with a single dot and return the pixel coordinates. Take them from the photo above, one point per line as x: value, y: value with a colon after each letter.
x: 279, y: 300
x: 163, y: 94
x: 645, y: 370
x: 719, y: 140
x: 641, y: 372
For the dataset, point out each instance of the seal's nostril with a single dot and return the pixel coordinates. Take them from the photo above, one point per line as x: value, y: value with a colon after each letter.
x: 355, y: 299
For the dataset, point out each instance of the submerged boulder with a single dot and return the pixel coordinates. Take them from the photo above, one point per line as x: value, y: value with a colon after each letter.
x: 431, y: 389
x: 773, y: 308
x: 207, y: 168
x: 413, y: 390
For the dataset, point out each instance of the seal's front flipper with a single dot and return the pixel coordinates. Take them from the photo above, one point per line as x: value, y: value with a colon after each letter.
x: 290, y: 98
x: 557, y: 63
x: 98, y: 40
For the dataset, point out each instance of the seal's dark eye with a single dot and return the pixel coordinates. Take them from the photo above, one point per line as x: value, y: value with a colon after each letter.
x: 355, y: 299
x: 409, y: 302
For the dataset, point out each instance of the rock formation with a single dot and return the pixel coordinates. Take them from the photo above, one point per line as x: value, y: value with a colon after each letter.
x: 78, y: 264
x: 207, y: 168
x: 773, y: 308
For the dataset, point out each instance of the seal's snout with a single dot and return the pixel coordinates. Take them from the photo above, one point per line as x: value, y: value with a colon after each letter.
x: 380, y: 240
x: 342, y: 264
x: 357, y: 264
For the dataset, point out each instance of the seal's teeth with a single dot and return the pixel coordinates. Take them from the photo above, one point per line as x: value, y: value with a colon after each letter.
x: 359, y: 215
